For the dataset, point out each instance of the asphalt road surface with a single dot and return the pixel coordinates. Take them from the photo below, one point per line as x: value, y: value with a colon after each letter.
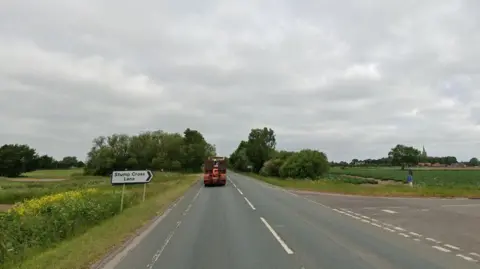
x: 251, y: 225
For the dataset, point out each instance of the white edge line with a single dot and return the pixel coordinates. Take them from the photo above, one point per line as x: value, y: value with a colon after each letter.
x: 282, y: 243
x: 250, y: 204
x: 112, y: 263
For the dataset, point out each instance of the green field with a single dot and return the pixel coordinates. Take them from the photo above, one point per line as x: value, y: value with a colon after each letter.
x: 48, y: 213
x: 447, y: 178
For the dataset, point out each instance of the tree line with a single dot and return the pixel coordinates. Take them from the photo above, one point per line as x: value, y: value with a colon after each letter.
x: 16, y: 159
x: 402, y: 155
x: 258, y: 154
x: 157, y: 150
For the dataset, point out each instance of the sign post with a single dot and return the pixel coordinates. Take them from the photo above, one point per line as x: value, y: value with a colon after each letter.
x: 131, y: 177
x: 123, y: 194
x: 144, y: 191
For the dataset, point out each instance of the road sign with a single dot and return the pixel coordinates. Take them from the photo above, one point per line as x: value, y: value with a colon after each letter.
x: 131, y: 177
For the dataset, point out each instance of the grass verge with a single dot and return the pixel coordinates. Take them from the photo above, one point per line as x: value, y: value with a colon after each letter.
x: 83, y: 251
x: 330, y: 186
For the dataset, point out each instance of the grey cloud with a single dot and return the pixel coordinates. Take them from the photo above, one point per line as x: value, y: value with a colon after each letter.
x: 71, y: 71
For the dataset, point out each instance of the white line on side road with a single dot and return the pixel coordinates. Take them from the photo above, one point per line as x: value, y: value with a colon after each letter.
x: 415, y: 234
x: 239, y: 191
x: 441, y: 249
x: 404, y: 235
x: 452, y: 247
x: 374, y: 224
x: 389, y: 211
x: 250, y: 204
x: 433, y: 240
x: 474, y: 254
x: 282, y: 243
x: 467, y: 205
x: 466, y: 258
x: 388, y: 229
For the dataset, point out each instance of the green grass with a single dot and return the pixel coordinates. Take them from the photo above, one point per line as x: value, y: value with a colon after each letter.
x: 83, y: 249
x: 54, y: 174
x: 332, y: 184
x: 466, y: 179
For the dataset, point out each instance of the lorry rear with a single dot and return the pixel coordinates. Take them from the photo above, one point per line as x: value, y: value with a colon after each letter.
x: 215, y: 171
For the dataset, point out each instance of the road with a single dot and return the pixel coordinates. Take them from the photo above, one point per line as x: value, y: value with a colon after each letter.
x: 250, y: 224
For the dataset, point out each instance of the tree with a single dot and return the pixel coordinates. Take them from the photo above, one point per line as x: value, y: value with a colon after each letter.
x: 305, y: 164
x: 46, y: 162
x: 16, y: 159
x: 68, y: 162
x: 238, y: 159
x: 404, y: 155
x: 473, y: 162
x: 150, y: 150
x: 260, y: 147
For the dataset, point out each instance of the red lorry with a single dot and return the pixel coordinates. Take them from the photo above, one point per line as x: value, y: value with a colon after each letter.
x: 215, y: 171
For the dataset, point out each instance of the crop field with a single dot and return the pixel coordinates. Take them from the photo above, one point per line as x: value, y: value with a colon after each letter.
x: 37, y: 213
x: 434, y: 177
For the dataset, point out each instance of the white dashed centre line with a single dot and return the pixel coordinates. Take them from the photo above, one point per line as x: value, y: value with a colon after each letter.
x: 249, y: 203
x: 282, y: 243
x: 240, y: 191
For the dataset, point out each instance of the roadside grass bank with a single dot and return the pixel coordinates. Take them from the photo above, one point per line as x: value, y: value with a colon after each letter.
x: 73, y: 229
x: 343, y: 186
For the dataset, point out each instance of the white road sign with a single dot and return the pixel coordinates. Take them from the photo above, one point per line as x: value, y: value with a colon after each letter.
x: 131, y: 177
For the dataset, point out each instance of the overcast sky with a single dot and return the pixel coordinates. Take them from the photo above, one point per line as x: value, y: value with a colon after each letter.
x: 351, y: 78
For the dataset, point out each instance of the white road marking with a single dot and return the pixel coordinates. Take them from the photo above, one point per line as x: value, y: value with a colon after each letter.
x: 467, y: 205
x: 441, y: 249
x: 466, y: 258
x: 160, y: 251
x: 433, y: 240
x: 354, y: 215
x: 239, y: 191
x: 374, y: 207
x: 389, y: 211
x: 452, y: 247
x: 250, y: 204
x: 282, y: 243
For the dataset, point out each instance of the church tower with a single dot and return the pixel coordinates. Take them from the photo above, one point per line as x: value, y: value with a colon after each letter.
x: 423, y: 155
